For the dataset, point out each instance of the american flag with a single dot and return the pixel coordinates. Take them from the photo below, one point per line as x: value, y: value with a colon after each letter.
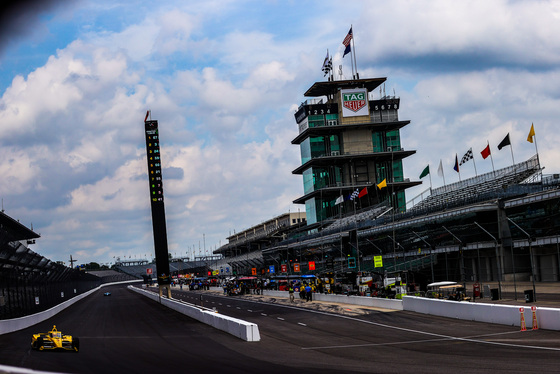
x: 468, y: 156
x: 346, y: 40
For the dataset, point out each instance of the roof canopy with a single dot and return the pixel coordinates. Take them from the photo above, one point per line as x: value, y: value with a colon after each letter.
x: 332, y: 87
x: 16, y: 230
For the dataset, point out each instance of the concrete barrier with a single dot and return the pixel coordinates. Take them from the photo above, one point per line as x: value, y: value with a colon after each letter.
x: 15, y: 324
x: 547, y: 318
x: 242, y: 329
x: 354, y: 300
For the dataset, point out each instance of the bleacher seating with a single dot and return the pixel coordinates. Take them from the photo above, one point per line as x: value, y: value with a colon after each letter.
x: 474, y: 188
x: 109, y: 276
x: 138, y: 271
x: 368, y: 214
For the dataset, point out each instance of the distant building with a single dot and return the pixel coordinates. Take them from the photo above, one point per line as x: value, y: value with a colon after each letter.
x: 263, y: 235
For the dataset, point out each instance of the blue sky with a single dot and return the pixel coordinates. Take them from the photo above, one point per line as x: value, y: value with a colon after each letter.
x: 224, y: 79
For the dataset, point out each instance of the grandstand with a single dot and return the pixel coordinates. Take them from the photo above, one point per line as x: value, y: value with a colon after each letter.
x: 29, y: 282
x: 110, y: 276
x: 464, y: 231
x: 478, y: 188
x: 140, y: 271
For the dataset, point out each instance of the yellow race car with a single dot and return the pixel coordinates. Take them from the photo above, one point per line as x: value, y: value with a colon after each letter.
x: 54, y: 339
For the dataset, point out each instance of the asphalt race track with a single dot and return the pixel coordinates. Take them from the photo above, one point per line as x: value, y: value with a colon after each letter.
x: 128, y: 333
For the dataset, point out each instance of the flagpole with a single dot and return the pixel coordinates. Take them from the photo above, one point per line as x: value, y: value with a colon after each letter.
x: 491, y: 158
x: 354, y: 53
x: 351, y: 55
x: 475, y: 173
x: 458, y: 167
x: 430, y: 174
x: 511, y: 148
x: 536, y: 148
x: 330, y: 71
x: 442, y: 172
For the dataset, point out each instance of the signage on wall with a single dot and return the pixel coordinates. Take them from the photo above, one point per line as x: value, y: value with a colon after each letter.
x: 354, y: 102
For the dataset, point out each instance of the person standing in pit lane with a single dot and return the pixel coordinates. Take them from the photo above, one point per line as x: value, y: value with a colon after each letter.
x: 291, y: 292
x: 308, y: 293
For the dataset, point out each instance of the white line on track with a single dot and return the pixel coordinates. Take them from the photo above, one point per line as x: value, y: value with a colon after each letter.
x: 264, y: 314
x: 280, y: 318
x: 302, y: 324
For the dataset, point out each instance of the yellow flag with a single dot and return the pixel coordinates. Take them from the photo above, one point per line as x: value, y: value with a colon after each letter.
x: 531, y: 134
x: 382, y: 184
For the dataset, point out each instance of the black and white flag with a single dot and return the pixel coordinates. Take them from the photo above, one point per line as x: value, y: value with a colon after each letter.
x: 327, y: 64
x: 468, y: 156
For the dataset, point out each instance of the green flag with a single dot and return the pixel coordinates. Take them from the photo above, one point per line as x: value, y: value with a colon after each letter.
x: 425, y: 172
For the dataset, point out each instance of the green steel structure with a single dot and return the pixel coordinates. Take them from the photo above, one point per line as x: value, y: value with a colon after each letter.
x: 350, y: 143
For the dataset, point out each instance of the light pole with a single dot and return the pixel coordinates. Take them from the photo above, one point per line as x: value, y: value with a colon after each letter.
x: 497, y: 259
x: 431, y: 254
x: 530, y: 255
x: 395, y: 243
x: 461, y: 256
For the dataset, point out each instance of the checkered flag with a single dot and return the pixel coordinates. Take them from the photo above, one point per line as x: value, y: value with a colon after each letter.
x: 327, y: 66
x: 468, y: 156
x: 354, y: 194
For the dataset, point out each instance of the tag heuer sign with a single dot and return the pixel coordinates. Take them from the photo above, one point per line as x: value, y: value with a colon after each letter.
x: 354, y: 102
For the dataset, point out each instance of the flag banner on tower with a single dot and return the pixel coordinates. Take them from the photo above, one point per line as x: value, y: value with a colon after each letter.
x: 425, y: 172
x: 485, y: 152
x: 468, y: 156
x: 339, y: 200
x: 531, y: 134
x: 456, y: 166
x: 328, y: 67
x: 363, y: 192
x: 382, y: 184
x: 346, y: 43
x: 354, y: 194
x: 504, y: 142
x: 440, y: 169
x: 327, y: 64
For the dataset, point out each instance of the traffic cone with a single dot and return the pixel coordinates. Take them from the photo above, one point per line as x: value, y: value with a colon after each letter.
x: 535, y: 323
x: 523, y: 325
